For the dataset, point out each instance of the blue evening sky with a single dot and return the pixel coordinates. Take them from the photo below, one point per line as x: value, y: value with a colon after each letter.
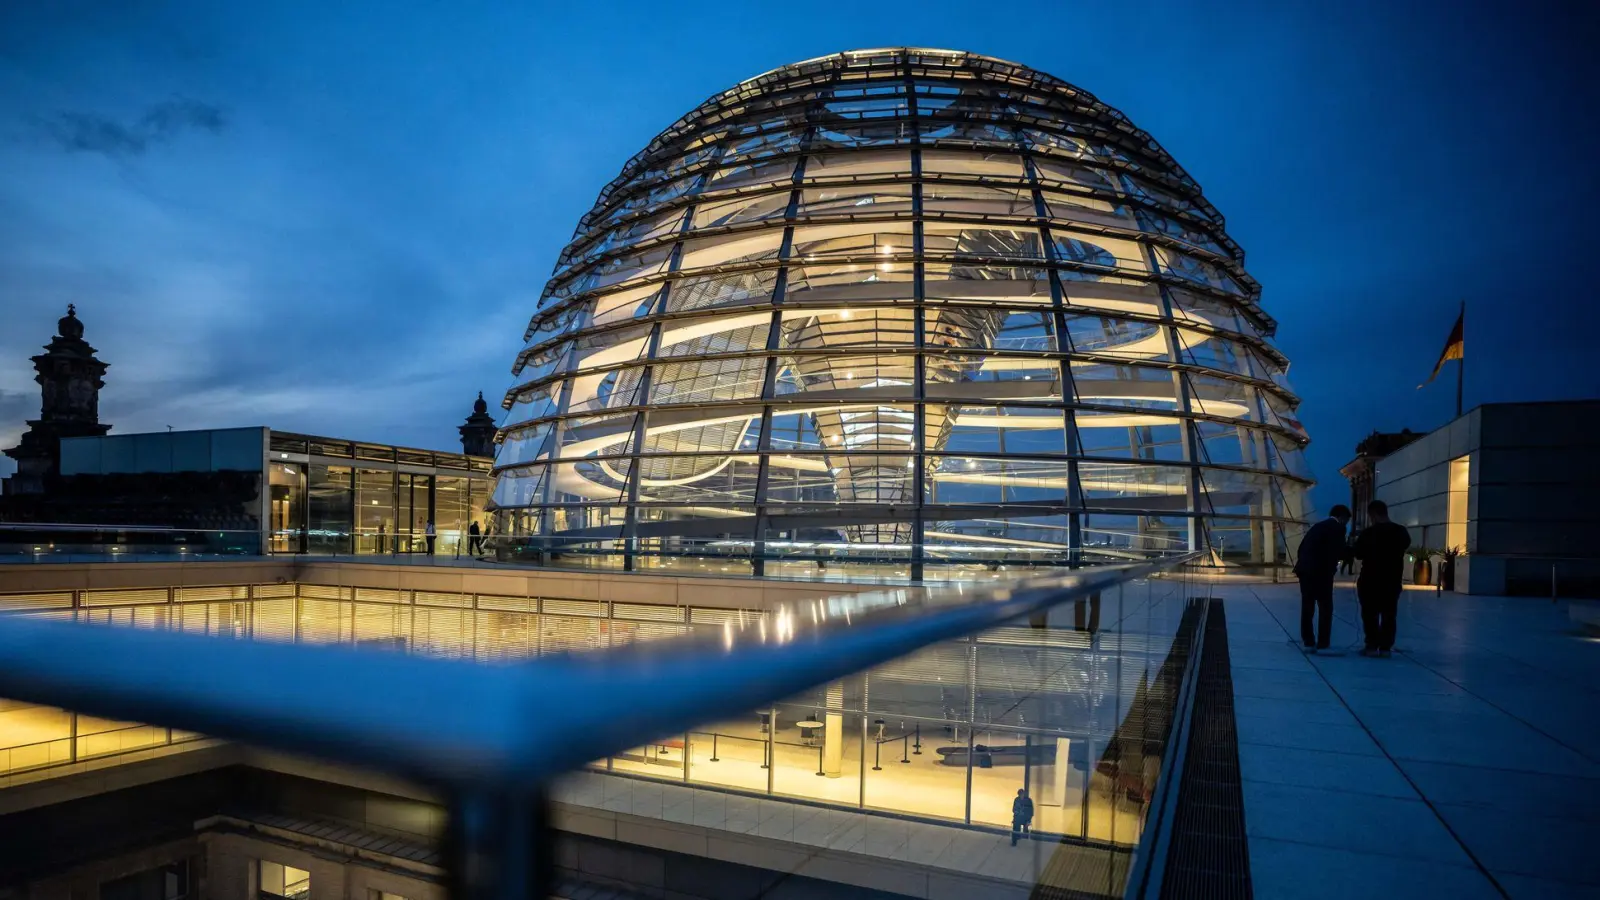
x: 337, y: 217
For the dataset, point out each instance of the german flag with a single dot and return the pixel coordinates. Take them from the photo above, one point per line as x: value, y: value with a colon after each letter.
x: 1454, y: 347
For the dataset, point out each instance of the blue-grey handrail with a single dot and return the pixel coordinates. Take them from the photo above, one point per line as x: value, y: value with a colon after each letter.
x: 496, y: 730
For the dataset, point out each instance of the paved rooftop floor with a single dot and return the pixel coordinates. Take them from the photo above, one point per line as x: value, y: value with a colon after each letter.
x: 1466, y: 766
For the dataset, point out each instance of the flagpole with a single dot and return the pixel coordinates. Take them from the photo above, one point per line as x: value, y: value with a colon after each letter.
x: 1461, y: 361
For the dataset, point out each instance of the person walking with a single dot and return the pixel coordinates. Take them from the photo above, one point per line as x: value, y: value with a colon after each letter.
x: 1321, y: 551
x: 1021, y: 815
x: 474, y: 539
x: 1382, y: 550
x: 429, y: 534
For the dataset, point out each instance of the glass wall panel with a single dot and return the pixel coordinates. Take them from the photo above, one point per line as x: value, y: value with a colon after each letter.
x: 413, y: 512
x: 375, y: 511
x: 1019, y: 430
x: 1000, y: 166
x: 856, y: 200
x: 842, y: 283
x: 977, y: 200
x: 287, y: 512
x: 450, y: 508
x: 821, y: 242
x: 708, y: 380
x: 331, y: 501
x: 992, y: 480
x: 960, y: 282
x: 714, y: 291
x: 947, y: 238
x: 829, y: 329
x: 851, y: 166
x: 1132, y: 437
x: 739, y: 209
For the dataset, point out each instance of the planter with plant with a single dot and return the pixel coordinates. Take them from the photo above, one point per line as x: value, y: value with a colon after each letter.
x: 1422, y: 565
x: 1447, y: 568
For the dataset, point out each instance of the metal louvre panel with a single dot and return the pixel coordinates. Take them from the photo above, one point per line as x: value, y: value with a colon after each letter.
x: 648, y: 611
x: 136, y: 595
x: 215, y: 592
x: 325, y: 592
x: 441, y: 632
x: 575, y: 607
x: 381, y: 626
x: 509, y: 604
x: 42, y: 601
x: 158, y: 617
x: 439, y: 598
x: 506, y: 636
x: 702, y: 616
x: 380, y: 595
x: 229, y: 620
x: 282, y: 589
x: 273, y: 619
x: 324, y: 621
x: 564, y: 634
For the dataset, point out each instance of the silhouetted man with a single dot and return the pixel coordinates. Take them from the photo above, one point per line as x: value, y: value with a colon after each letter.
x: 1382, y: 550
x: 1021, y: 815
x: 474, y: 539
x: 1321, y: 551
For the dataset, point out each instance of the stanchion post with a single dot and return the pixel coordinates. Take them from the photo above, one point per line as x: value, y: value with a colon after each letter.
x: 714, y: 747
x: 918, y: 749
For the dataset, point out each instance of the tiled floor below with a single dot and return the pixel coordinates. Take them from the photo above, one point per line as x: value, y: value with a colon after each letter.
x: 1465, y: 766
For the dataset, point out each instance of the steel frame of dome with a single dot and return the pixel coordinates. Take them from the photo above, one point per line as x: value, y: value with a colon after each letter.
x: 864, y: 268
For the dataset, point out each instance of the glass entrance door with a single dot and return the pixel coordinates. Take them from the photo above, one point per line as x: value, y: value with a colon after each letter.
x: 413, y: 511
x: 288, y: 508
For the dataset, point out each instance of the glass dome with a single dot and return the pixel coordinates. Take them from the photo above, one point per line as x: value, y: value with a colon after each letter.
x: 907, y: 312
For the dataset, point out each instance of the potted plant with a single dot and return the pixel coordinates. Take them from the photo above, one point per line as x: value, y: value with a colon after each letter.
x: 1422, y: 565
x: 1447, y: 569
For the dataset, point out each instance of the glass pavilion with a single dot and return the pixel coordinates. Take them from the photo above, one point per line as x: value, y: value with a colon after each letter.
x: 915, y: 312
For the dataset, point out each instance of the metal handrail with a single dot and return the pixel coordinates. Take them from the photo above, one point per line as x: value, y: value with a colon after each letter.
x: 491, y: 737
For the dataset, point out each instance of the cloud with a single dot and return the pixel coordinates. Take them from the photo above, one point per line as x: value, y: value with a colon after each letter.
x: 77, y: 132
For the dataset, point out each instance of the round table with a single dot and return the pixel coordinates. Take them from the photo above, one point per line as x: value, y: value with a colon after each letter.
x: 808, y: 729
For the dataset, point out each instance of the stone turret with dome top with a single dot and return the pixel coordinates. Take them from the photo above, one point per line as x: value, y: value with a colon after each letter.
x: 70, y: 379
x: 477, y: 435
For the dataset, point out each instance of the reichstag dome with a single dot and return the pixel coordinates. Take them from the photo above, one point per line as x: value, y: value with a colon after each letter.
x: 919, y: 313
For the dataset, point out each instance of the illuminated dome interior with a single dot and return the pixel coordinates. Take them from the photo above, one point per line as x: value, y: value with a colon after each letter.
x: 913, y: 310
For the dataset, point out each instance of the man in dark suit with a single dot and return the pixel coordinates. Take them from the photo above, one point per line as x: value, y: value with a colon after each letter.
x: 1321, y: 551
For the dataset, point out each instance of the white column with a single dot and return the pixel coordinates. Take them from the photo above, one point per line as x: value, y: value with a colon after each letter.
x: 833, y: 732
x: 1060, y: 772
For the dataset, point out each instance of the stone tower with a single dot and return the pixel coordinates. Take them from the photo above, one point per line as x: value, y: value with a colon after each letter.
x: 477, y: 436
x: 70, y: 379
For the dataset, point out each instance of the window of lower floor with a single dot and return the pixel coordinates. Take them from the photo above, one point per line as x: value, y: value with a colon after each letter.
x: 276, y: 880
